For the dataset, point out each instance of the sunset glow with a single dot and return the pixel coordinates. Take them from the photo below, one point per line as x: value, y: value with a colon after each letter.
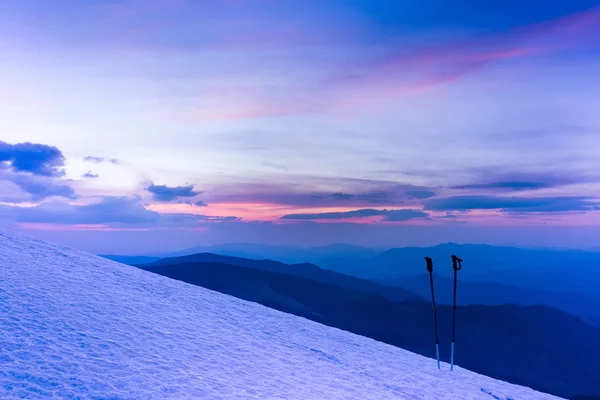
x: 233, y: 121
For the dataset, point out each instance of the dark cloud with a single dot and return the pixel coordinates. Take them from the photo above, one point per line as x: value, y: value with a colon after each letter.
x: 40, y: 188
x: 34, y: 169
x: 512, y: 185
x: 420, y: 194
x: 342, y: 196
x: 98, y: 160
x: 489, y: 179
x: 512, y: 204
x: 388, y: 215
x: 367, y: 212
x: 111, y: 211
x: 89, y: 175
x: 404, y: 215
x: 198, y: 203
x: 169, y: 193
x: 37, y: 159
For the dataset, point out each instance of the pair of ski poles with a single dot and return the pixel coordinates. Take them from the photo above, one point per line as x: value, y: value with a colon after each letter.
x: 456, y: 266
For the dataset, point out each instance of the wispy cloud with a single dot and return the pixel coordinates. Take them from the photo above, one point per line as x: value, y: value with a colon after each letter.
x: 98, y: 160
x: 408, y: 69
x: 89, y: 175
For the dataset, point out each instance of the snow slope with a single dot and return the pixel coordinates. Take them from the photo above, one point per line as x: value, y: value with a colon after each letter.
x: 74, y: 325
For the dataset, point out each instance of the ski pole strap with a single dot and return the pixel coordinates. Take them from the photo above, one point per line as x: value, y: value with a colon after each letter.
x: 456, y: 263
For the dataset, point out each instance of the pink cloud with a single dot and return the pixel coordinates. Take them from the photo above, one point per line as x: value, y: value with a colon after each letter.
x: 53, y: 227
x: 41, y: 226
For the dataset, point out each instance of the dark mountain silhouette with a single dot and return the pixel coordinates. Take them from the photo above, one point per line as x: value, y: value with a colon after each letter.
x: 130, y: 260
x: 304, y: 270
x: 537, y: 346
x: 497, y: 294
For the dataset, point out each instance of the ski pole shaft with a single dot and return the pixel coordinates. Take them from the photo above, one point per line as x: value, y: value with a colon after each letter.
x: 452, y: 357
x: 456, y: 266
x: 437, y: 341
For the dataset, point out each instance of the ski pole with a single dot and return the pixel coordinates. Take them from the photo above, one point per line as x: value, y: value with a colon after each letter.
x: 456, y: 266
x: 437, y: 341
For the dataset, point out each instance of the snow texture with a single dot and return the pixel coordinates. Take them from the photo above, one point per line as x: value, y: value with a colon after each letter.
x: 77, y: 326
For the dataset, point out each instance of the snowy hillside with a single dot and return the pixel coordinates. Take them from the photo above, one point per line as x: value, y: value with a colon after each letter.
x: 75, y: 325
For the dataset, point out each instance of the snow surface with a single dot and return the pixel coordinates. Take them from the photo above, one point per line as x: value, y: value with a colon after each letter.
x: 74, y: 325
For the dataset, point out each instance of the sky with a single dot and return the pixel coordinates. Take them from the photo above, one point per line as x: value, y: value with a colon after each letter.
x: 135, y: 126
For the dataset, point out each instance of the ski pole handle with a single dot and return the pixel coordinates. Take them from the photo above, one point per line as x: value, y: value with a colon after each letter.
x: 429, y: 264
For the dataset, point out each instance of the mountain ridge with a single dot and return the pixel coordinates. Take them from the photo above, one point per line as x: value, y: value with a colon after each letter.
x: 304, y: 270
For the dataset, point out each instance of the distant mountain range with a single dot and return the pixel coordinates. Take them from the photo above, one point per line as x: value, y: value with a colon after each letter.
x: 493, y: 294
x: 560, y: 271
x: 566, y: 279
x: 288, y: 254
x: 536, y: 346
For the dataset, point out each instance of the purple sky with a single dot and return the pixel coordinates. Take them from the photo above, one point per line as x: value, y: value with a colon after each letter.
x: 130, y: 126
